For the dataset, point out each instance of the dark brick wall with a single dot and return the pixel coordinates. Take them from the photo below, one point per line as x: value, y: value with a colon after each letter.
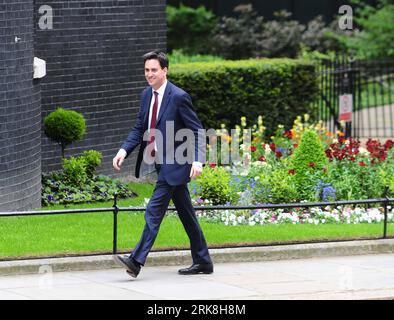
x: 20, y: 113
x: 94, y: 66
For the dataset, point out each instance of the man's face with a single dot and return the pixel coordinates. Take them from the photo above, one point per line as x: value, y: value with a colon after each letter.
x: 154, y: 74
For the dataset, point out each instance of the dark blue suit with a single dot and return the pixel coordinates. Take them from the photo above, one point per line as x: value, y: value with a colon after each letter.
x: 176, y: 109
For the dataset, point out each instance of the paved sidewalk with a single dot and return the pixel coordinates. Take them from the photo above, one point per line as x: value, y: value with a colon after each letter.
x: 348, y: 277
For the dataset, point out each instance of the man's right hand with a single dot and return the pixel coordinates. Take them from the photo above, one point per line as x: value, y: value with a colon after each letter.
x: 119, y: 158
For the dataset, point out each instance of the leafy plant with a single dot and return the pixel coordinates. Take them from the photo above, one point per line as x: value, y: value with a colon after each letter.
x: 78, y: 183
x: 92, y: 160
x: 57, y: 190
x: 214, y: 185
x: 308, y: 164
x: 74, y: 171
x: 64, y: 127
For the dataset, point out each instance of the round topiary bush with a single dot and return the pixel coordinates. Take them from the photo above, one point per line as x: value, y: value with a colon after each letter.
x: 64, y: 127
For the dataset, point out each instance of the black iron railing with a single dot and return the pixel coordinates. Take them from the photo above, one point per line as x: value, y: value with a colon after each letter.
x: 115, y: 210
x: 371, y: 84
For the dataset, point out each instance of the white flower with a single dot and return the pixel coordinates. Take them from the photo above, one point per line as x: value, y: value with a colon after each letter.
x: 363, y: 151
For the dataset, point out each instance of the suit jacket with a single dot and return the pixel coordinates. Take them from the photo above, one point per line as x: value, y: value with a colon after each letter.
x: 176, y: 113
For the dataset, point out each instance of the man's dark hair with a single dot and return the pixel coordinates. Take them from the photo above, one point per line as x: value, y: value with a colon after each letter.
x: 157, y: 55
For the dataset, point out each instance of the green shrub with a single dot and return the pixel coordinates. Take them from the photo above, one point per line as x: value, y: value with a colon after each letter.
x: 309, y: 164
x: 214, y: 185
x: 92, y: 160
x: 283, y: 189
x: 278, y: 89
x: 74, y: 170
x: 64, y: 127
x: 189, y: 29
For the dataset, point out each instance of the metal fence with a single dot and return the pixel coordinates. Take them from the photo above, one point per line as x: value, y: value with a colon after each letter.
x: 115, y: 210
x: 371, y: 86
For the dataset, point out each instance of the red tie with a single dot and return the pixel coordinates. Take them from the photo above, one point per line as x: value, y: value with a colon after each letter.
x: 151, y: 144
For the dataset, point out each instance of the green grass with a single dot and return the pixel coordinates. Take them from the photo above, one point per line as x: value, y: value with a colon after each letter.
x: 178, y: 57
x: 92, y: 233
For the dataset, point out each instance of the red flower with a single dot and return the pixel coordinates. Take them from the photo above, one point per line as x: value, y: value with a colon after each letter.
x: 253, y: 148
x: 212, y: 165
x: 329, y: 153
x: 341, y: 151
x: 278, y: 154
x: 291, y: 171
x: 377, y: 150
x: 362, y: 164
x: 272, y: 147
x: 295, y: 146
x: 262, y: 158
x: 388, y: 144
x: 288, y: 134
x: 312, y: 164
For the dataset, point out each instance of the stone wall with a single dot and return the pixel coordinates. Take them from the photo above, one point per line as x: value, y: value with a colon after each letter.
x: 94, y: 66
x: 93, y: 55
x: 20, y: 112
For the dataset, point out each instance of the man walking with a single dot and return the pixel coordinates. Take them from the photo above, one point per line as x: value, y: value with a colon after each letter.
x: 165, y: 108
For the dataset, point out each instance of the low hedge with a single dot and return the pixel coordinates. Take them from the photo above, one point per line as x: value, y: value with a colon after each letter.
x: 222, y: 92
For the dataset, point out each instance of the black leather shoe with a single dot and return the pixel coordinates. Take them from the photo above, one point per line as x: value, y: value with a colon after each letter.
x: 132, y: 268
x: 196, y: 268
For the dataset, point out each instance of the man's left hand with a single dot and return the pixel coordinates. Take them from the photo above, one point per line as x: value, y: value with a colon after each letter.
x: 195, y: 171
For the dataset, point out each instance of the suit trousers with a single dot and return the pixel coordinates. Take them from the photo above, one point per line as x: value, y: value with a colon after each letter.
x: 154, y: 215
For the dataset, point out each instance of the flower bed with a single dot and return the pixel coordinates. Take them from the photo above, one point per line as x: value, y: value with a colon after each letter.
x: 305, y: 163
x: 343, y: 215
